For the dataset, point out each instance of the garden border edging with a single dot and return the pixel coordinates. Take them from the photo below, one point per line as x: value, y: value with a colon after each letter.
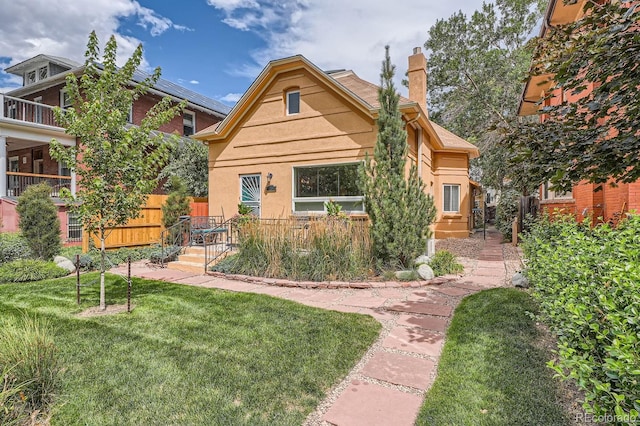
x: 336, y: 284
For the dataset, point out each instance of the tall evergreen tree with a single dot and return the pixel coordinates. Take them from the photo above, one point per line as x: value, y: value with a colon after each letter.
x: 399, y: 209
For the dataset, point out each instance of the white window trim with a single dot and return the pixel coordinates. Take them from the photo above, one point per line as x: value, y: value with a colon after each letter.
x: 290, y: 92
x: 444, y: 208
x: 346, y: 199
x: 193, y: 115
x: 38, y: 110
x: 62, y: 105
x: 36, y: 70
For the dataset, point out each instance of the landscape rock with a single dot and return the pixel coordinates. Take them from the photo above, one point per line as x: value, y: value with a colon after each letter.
x: 421, y: 260
x: 519, y: 280
x: 425, y: 272
x: 65, y: 263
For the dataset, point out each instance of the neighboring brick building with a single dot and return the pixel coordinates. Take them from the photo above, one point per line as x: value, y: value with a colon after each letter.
x: 27, y: 126
x: 584, y: 200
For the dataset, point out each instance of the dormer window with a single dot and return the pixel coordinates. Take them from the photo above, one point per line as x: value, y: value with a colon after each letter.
x: 31, y: 77
x: 293, y: 102
x: 36, y: 75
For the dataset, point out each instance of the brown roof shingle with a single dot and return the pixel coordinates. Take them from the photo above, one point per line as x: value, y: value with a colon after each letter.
x: 368, y: 92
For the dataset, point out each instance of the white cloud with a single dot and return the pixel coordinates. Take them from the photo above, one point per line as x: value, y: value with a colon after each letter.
x: 194, y: 82
x: 337, y: 34
x: 62, y: 27
x: 231, y: 97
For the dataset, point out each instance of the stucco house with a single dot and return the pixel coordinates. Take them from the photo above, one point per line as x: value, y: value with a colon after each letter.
x: 27, y: 126
x: 585, y: 199
x: 297, y: 136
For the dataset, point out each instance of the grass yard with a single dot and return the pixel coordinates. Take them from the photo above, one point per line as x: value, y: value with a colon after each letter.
x: 191, y: 356
x: 493, y: 368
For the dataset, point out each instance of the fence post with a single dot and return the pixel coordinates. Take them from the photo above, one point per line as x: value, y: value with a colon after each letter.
x: 129, y: 284
x: 78, y: 278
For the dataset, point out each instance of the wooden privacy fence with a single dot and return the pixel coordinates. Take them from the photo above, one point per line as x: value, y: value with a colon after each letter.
x: 144, y: 230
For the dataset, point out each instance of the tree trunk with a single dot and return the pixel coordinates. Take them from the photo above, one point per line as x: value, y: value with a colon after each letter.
x: 103, y: 303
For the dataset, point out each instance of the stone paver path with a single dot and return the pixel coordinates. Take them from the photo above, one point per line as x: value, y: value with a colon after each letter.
x: 388, y: 385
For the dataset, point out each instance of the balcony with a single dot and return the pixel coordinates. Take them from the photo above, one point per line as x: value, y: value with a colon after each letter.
x: 18, y: 182
x: 25, y: 111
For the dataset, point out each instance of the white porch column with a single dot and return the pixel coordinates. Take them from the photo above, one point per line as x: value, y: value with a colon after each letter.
x: 3, y: 166
x: 73, y: 182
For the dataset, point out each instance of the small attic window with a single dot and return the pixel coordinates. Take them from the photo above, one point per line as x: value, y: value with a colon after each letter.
x: 293, y: 102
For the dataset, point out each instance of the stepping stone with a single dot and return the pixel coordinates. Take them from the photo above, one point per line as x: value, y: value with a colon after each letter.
x: 490, y: 264
x: 416, y: 340
x: 391, y: 293
x: 428, y: 323
x: 422, y: 308
x: 400, y: 369
x: 325, y: 296
x: 423, y: 296
x: 368, y: 404
x: 452, y: 291
x: 486, y: 281
x: 490, y: 272
x: 364, y: 301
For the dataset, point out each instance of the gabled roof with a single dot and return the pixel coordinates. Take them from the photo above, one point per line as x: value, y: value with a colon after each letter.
x: 360, y: 93
x: 558, y: 13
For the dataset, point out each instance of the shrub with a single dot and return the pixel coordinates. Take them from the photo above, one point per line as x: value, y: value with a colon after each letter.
x: 39, y: 221
x: 587, y: 281
x: 13, y: 246
x: 444, y: 262
x: 324, y: 249
x: 177, y: 203
x: 31, y: 369
x: 506, y: 211
x: 25, y: 270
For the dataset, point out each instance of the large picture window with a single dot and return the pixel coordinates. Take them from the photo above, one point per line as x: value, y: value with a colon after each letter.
x: 451, y: 197
x: 313, y: 186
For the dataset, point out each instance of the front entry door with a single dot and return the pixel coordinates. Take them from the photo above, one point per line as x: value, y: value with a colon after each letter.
x: 251, y: 192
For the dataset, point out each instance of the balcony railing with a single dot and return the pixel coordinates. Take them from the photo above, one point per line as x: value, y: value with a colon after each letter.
x: 27, y: 111
x: 18, y: 182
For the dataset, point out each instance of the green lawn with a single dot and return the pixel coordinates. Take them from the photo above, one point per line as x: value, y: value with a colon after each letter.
x: 191, y: 356
x: 492, y: 371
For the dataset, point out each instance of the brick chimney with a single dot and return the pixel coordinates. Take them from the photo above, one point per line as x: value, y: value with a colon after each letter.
x: 417, y: 75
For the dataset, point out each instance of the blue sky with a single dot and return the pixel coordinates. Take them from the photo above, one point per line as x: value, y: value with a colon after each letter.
x: 217, y: 47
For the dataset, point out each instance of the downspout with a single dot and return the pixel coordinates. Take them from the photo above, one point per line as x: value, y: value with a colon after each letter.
x: 419, y: 147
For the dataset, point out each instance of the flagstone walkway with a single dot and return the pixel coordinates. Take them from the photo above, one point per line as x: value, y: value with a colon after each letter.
x: 388, y: 385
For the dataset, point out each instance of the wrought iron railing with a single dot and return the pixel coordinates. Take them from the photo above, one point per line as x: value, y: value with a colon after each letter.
x: 27, y: 111
x: 174, y: 239
x: 18, y: 182
x: 222, y: 242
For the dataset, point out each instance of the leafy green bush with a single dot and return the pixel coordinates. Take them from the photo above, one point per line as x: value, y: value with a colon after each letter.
x: 91, y: 260
x: 13, y: 246
x: 25, y: 270
x: 39, y: 221
x: 444, y: 262
x: 506, y: 211
x: 31, y: 370
x: 587, y: 281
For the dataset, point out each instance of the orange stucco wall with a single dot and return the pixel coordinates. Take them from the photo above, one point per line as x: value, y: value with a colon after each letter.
x: 327, y: 130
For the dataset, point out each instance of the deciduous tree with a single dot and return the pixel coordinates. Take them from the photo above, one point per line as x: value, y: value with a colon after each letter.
x: 476, y: 68
x: 117, y: 165
x: 595, y: 134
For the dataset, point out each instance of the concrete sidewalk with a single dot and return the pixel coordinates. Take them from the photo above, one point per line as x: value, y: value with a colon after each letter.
x: 388, y: 385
